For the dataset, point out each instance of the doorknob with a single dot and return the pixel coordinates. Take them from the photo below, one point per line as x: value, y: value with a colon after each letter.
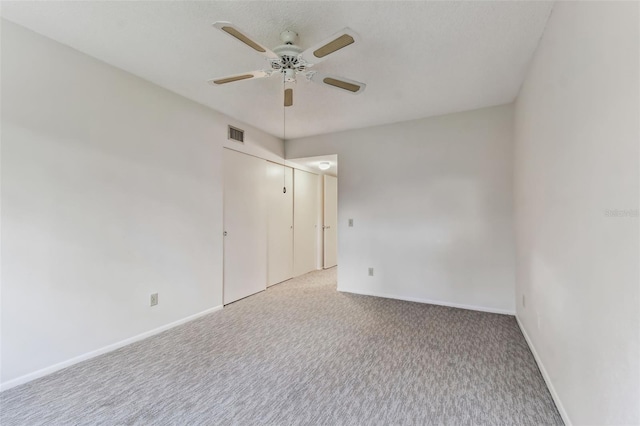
x: 225, y: 233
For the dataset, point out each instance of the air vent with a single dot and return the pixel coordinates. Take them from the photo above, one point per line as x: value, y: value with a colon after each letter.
x: 236, y: 134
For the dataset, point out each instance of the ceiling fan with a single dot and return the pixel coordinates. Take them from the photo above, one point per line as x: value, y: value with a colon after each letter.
x: 290, y: 61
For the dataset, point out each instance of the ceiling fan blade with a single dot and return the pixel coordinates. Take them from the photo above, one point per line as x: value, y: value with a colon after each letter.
x: 235, y: 32
x: 320, y: 51
x: 239, y: 77
x: 346, y: 84
x: 288, y: 97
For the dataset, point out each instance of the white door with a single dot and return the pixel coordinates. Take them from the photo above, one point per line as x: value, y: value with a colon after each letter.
x: 330, y: 219
x: 305, y: 221
x: 280, y: 223
x: 245, y: 226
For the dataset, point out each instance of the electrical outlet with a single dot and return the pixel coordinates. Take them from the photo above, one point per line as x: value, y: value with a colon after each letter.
x: 154, y: 299
x: 523, y: 301
x: 370, y: 272
x: 350, y: 223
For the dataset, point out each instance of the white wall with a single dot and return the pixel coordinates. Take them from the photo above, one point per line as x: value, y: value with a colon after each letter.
x: 576, y: 157
x: 111, y: 191
x: 432, y: 202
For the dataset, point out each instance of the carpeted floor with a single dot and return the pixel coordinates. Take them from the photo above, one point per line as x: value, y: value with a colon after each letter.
x: 302, y: 353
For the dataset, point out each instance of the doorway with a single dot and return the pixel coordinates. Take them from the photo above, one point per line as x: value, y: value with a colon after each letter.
x: 326, y: 167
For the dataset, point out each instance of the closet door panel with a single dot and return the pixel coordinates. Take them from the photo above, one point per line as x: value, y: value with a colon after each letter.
x: 280, y: 223
x: 245, y: 225
x: 305, y: 225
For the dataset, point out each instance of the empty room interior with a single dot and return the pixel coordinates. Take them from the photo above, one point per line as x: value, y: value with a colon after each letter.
x: 320, y: 213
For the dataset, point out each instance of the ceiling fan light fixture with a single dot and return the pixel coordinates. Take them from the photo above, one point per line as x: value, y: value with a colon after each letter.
x: 324, y: 165
x: 290, y: 75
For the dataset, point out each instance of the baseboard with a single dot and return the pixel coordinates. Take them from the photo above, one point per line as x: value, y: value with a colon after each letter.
x: 545, y: 376
x: 112, y: 347
x: 431, y: 302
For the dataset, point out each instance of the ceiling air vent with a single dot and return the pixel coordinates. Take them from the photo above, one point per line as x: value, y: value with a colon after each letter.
x: 236, y: 134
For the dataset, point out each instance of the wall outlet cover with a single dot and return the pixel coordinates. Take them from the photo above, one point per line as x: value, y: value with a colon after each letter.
x: 370, y: 272
x: 154, y: 299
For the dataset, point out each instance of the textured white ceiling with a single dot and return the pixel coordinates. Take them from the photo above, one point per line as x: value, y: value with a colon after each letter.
x: 418, y: 59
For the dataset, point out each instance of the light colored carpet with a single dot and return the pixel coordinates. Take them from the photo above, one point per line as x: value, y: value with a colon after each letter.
x: 302, y: 353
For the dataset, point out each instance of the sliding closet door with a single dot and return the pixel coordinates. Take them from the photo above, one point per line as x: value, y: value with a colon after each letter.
x: 330, y: 218
x: 305, y: 225
x: 280, y: 223
x: 245, y: 225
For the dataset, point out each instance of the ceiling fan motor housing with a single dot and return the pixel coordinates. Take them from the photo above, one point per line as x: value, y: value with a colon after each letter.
x: 289, y: 62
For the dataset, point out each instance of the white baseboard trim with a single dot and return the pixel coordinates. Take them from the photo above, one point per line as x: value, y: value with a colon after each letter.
x: 430, y: 302
x: 112, y: 347
x: 545, y: 376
